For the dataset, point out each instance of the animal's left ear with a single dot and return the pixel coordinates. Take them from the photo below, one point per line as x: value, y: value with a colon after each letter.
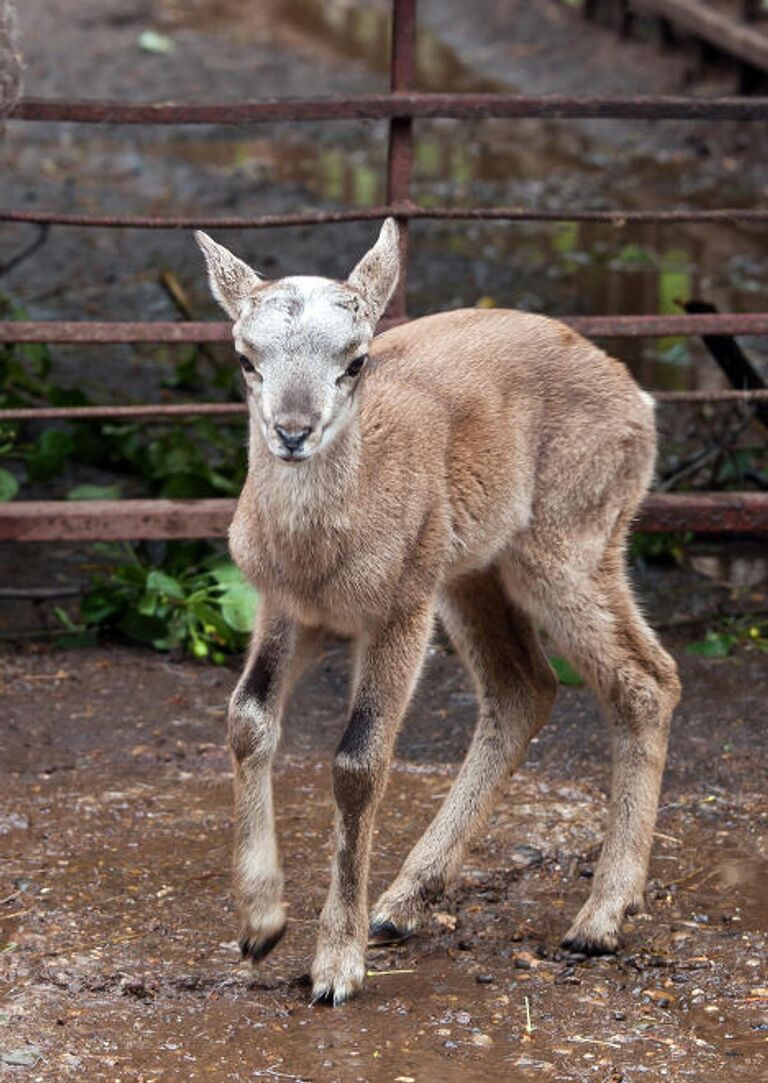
x: 232, y: 282
x: 376, y: 275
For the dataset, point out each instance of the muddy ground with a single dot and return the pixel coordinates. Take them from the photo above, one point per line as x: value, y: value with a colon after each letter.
x: 119, y: 959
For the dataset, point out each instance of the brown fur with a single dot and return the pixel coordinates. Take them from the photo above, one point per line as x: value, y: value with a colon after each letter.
x: 489, y: 472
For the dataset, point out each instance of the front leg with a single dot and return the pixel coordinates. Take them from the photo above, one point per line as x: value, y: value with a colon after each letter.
x: 279, y: 651
x: 390, y: 662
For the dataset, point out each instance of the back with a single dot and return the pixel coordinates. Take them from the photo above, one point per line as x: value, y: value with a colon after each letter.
x: 537, y: 425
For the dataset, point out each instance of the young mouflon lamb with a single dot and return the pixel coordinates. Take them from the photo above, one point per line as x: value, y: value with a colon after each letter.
x: 483, y: 465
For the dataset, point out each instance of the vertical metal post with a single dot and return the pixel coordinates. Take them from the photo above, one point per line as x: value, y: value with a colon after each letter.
x: 400, y: 155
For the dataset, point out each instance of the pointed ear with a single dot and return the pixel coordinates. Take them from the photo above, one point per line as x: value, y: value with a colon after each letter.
x: 232, y: 282
x: 376, y: 275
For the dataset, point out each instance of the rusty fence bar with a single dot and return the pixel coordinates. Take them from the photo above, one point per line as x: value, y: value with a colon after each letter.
x: 403, y: 212
x: 82, y: 331
x: 115, y: 520
x: 400, y: 149
x: 169, y: 410
x: 403, y: 104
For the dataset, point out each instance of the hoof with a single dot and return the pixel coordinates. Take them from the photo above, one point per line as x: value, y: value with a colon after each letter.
x: 381, y: 933
x: 334, y: 996
x: 256, y: 949
x: 586, y: 946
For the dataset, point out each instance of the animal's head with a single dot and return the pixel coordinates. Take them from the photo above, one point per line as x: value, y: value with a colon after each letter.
x: 303, y: 341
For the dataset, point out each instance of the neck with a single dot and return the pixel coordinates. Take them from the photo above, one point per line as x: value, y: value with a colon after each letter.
x: 304, y: 496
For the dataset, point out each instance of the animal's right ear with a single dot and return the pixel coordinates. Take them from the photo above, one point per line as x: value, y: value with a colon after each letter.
x: 232, y: 282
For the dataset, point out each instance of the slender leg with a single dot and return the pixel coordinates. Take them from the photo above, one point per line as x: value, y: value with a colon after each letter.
x: 516, y: 689
x: 389, y: 665
x: 279, y: 651
x: 597, y: 622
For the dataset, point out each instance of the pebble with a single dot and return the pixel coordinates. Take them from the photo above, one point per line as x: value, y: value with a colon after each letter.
x: 484, y: 979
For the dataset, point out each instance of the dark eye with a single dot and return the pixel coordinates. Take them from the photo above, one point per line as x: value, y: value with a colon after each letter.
x: 245, y: 364
x: 354, y: 367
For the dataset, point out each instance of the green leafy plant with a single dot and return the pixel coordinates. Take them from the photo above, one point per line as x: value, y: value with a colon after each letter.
x: 664, y: 547
x: 720, y: 642
x: 564, y: 671
x: 203, y: 607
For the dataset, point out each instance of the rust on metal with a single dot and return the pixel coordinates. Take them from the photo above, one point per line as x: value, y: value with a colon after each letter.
x: 402, y: 211
x: 705, y: 513
x: 144, y: 411
x: 386, y: 106
x: 139, y: 520
x: 400, y: 147
x: 166, y: 411
x: 82, y: 331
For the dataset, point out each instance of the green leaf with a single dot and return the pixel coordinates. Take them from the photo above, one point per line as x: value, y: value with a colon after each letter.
x: 165, y: 584
x: 9, y: 486
x: 236, y: 598
x: 49, y: 454
x: 102, y: 603
x: 564, y: 671
x: 153, y: 42
x: 714, y: 645
x: 95, y: 492
x: 144, y: 629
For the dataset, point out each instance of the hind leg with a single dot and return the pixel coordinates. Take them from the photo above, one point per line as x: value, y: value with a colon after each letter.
x: 596, y: 620
x: 516, y: 688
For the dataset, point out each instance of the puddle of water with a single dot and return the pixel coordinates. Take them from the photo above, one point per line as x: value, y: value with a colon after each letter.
x: 343, y: 30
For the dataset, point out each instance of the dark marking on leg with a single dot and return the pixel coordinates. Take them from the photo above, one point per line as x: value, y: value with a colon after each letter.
x: 256, y: 950
x: 356, y: 740
x: 260, y: 679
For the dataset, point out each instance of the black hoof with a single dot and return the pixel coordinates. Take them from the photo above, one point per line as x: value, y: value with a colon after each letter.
x: 256, y: 950
x: 386, y: 932
x: 585, y: 948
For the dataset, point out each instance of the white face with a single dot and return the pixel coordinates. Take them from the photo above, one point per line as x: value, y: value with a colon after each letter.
x: 303, y: 342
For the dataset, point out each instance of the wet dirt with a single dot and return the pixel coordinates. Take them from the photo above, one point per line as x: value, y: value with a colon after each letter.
x: 118, y: 950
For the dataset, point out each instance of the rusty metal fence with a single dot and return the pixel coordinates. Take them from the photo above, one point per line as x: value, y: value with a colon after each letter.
x: 145, y: 519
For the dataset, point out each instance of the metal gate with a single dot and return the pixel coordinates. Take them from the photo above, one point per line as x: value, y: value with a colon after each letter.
x: 145, y: 519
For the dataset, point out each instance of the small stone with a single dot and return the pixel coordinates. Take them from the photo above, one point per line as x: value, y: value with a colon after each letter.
x: 483, y: 1040
x: 525, y: 960
x: 484, y: 979
x: 22, y: 1058
x: 525, y: 856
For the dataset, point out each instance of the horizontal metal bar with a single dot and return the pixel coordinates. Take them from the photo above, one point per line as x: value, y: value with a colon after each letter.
x: 165, y: 411
x: 724, y: 395
x: 387, y: 106
x: 145, y: 411
x: 705, y: 513
x: 616, y: 217
x: 135, y: 520
x: 83, y: 332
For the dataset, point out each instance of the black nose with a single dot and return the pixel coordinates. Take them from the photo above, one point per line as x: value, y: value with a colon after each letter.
x: 292, y: 439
